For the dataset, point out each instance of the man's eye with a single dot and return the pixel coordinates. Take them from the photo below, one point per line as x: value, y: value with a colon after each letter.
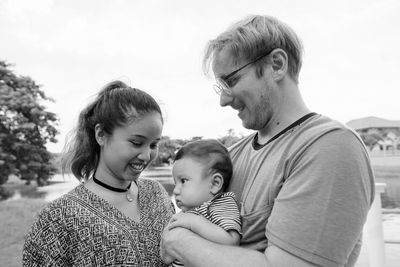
x: 231, y: 82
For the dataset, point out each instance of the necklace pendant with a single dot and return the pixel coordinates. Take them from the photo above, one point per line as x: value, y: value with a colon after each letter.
x: 129, y: 197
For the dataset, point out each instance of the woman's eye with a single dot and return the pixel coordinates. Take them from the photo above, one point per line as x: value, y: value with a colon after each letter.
x: 135, y: 143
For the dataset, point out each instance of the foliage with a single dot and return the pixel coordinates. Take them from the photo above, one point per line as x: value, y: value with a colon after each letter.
x: 168, y: 147
x: 371, y: 138
x: 25, y: 128
x: 230, y: 138
x: 166, y: 150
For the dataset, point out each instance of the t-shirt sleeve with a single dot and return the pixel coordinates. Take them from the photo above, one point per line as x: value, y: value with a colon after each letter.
x: 225, y: 213
x: 320, y: 210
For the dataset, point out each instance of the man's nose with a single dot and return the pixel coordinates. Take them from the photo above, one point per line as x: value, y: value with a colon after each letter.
x: 224, y: 99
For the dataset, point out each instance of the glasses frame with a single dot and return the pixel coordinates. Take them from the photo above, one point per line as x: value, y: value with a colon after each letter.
x: 221, y: 86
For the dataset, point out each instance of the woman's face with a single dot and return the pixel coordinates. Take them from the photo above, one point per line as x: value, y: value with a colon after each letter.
x: 129, y: 149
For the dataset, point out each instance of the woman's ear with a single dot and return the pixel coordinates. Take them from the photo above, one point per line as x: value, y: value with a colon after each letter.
x: 279, y: 64
x: 99, y: 134
x: 217, y: 181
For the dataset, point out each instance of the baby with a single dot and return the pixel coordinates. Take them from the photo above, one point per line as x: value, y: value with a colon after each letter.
x: 202, y: 171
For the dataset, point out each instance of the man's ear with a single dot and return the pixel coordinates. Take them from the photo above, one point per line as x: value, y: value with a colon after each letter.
x: 217, y: 181
x: 99, y: 134
x: 279, y: 64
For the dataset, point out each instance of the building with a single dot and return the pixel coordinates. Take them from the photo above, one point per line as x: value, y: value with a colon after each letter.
x: 378, y: 133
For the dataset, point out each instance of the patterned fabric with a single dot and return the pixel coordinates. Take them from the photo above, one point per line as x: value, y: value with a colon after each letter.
x: 223, y: 211
x: 82, y: 229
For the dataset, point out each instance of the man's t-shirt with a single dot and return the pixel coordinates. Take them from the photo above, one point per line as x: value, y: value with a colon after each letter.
x: 308, y: 191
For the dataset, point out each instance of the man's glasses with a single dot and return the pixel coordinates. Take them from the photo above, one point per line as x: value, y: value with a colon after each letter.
x: 222, y: 87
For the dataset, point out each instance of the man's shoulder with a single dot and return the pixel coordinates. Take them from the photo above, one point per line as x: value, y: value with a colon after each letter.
x: 321, y: 125
x: 245, y: 141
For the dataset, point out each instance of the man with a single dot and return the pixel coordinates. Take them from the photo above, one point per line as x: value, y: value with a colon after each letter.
x: 303, y: 181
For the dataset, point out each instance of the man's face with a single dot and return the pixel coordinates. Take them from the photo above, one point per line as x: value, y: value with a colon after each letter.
x: 249, y: 95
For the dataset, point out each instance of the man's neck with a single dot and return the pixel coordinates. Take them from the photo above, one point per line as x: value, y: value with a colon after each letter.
x: 262, y: 138
x: 290, y: 109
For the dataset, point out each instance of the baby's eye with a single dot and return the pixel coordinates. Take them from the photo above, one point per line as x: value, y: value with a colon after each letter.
x: 183, y: 180
x: 154, y: 146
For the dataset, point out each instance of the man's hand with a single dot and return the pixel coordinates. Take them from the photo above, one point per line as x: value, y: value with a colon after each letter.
x: 182, y: 219
x: 169, y: 238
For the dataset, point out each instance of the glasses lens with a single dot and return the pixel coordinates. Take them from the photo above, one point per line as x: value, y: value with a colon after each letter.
x: 217, y: 88
x: 221, y: 87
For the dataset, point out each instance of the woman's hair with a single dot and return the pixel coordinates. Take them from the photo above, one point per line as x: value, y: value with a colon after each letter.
x: 254, y: 36
x: 212, y: 154
x: 115, y: 105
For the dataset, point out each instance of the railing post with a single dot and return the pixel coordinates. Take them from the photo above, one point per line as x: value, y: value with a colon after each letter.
x: 374, y: 230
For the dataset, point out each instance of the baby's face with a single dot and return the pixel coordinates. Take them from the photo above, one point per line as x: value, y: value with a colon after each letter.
x: 192, y: 185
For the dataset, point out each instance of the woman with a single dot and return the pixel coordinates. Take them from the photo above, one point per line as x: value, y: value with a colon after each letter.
x: 112, y: 218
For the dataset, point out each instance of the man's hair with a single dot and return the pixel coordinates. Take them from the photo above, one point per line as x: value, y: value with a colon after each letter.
x: 254, y: 36
x: 212, y: 154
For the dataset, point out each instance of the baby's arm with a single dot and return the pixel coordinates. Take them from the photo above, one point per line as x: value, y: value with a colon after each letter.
x: 206, y: 229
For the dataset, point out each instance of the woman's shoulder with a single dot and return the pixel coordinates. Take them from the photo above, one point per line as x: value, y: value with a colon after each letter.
x: 56, y: 208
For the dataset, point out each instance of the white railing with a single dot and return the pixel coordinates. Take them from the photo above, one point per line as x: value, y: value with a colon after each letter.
x: 373, y: 230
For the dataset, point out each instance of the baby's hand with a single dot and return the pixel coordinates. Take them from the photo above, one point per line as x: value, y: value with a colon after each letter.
x: 182, y: 219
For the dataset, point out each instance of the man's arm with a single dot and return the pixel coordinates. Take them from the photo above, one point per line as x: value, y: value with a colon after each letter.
x: 193, y: 250
x: 206, y: 229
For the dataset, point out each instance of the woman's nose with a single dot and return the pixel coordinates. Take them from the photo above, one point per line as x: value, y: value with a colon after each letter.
x: 145, y: 154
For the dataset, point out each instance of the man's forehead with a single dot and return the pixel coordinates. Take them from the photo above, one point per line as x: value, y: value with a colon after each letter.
x: 224, y: 62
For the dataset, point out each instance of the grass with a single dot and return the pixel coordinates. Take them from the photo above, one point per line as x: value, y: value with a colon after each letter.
x: 16, y: 217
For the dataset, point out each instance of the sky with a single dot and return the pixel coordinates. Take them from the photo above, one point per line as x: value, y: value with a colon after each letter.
x: 351, y: 64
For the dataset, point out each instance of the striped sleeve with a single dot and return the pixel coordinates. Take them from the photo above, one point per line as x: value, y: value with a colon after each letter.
x: 224, y: 212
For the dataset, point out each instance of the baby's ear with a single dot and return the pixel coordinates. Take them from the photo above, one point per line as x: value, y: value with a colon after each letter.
x: 217, y: 181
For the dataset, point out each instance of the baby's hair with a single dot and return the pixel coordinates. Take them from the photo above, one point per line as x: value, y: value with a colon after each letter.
x: 115, y: 105
x: 213, y: 154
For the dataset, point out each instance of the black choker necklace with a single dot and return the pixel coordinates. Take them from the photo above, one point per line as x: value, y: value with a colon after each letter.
x: 119, y: 190
x: 115, y: 189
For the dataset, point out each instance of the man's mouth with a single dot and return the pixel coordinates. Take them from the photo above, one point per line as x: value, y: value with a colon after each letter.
x: 238, y: 108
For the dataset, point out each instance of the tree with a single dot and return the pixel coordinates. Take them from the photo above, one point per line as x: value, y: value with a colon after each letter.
x: 166, y: 150
x: 371, y: 139
x: 230, y: 138
x: 25, y: 128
